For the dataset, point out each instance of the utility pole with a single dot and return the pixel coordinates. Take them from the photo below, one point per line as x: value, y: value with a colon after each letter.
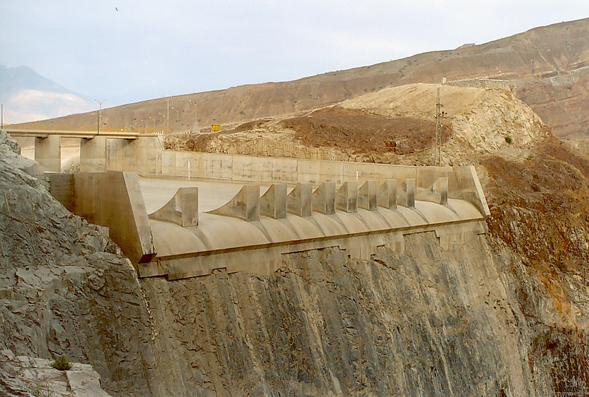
x: 98, y: 116
x: 168, y: 115
x: 438, y: 138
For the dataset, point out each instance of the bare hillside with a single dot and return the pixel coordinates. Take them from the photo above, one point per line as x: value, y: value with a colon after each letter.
x: 393, y: 125
x: 546, y: 67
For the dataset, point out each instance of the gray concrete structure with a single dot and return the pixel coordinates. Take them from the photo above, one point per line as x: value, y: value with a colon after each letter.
x: 48, y: 153
x: 300, y: 200
x: 367, y: 195
x: 114, y: 200
x: 324, y: 198
x: 346, y: 198
x: 387, y: 194
x: 406, y: 196
x: 182, y: 209
x: 245, y: 205
x: 355, y: 206
x: 93, y: 154
x: 273, y: 202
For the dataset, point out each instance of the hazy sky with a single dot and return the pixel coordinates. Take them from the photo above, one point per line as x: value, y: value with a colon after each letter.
x: 150, y: 48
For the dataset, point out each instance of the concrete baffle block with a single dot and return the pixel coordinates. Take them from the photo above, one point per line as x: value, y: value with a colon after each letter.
x: 273, y: 202
x: 347, y: 197
x: 300, y: 201
x: 367, y: 196
x: 245, y: 205
x: 93, y: 154
x: 182, y: 209
x: 387, y: 194
x: 406, y: 197
x: 324, y: 198
x: 48, y: 153
x: 441, y: 187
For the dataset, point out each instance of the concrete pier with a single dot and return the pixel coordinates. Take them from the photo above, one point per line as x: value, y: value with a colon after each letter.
x: 93, y: 154
x: 273, y: 202
x: 48, y: 153
x: 347, y: 197
x: 182, y: 209
x: 367, y: 196
x: 324, y: 198
x: 387, y: 195
x: 300, y: 200
x: 245, y: 205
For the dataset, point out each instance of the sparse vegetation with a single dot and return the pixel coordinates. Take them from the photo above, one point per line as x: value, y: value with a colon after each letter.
x: 508, y: 139
x: 61, y: 363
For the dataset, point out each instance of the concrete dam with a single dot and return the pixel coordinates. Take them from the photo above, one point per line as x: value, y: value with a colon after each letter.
x: 187, y: 214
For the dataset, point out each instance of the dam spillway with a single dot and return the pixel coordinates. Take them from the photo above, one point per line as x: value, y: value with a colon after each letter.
x: 242, y: 213
x: 187, y: 214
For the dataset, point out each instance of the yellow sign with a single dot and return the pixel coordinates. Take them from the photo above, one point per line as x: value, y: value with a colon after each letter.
x: 215, y: 127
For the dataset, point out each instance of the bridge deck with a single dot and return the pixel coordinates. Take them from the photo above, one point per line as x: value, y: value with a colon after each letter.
x: 38, y: 133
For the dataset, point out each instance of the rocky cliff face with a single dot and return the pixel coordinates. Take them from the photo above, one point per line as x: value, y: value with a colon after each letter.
x: 65, y: 289
x: 502, y: 314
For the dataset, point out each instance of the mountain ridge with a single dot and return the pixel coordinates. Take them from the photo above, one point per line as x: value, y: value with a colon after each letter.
x: 543, y: 59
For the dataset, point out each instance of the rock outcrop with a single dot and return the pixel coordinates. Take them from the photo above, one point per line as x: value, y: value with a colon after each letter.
x: 26, y: 376
x: 65, y: 289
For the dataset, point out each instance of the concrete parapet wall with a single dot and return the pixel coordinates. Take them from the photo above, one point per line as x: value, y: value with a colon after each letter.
x: 145, y: 156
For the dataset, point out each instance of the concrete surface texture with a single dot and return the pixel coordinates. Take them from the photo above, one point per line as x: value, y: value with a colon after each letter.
x: 48, y: 153
x: 182, y: 209
x: 239, y: 236
x: 414, y: 197
x: 114, y: 200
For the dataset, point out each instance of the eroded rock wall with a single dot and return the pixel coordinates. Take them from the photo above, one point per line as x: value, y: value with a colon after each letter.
x: 65, y: 288
x: 427, y: 322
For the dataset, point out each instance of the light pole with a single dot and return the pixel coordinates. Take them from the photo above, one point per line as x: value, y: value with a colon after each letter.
x: 98, y: 116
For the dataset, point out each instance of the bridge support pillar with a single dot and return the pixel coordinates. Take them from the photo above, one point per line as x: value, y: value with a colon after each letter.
x: 48, y: 153
x: 93, y: 154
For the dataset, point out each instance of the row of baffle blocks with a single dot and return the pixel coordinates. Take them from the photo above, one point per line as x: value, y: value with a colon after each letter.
x: 302, y: 200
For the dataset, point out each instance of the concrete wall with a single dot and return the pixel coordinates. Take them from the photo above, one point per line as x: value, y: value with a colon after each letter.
x: 111, y: 199
x: 146, y: 157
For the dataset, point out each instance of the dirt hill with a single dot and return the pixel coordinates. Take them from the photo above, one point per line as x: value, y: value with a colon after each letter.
x: 394, y: 125
x: 546, y: 67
